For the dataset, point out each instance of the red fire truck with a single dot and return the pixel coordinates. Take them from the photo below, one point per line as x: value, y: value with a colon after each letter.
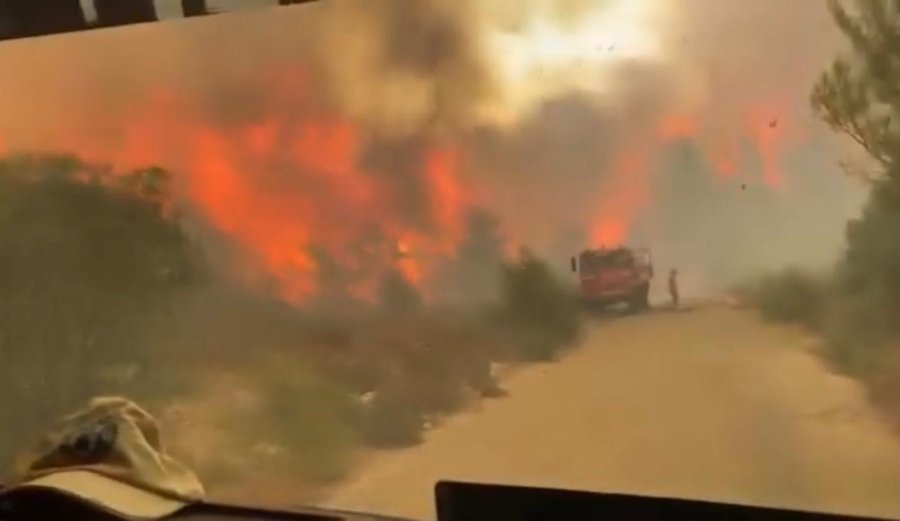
x: 615, y: 275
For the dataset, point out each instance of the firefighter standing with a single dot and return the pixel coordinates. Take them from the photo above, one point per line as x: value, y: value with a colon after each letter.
x: 673, y: 287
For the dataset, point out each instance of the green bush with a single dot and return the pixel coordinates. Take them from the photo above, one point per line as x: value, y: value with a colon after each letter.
x: 855, y: 96
x: 871, y: 264
x: 542, y: 316
x: 861, y: 315
x: 884, y: 384
x: 791, y: 296
x: 857, y: 327
x: 89, y: 272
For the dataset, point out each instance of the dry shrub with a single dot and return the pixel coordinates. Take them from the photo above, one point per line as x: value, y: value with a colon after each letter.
x: 303, y: 424
x: 791, y: 296
x: 541, y: 316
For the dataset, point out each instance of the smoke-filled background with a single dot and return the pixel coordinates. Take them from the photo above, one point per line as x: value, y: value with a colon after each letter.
x: 327, y: 142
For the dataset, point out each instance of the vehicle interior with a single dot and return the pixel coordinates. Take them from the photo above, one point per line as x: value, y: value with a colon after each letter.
x: 454, y: 502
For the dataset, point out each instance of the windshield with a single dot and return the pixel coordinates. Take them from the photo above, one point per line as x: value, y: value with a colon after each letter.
x: 329, y: 246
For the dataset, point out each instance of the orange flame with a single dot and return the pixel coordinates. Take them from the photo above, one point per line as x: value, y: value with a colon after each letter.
x: 768, y: 133
x: 291, y: 180
x: 767, y: 127
x: 626, y: 195
x: 448, y: 198
x: 271, y: 226
x: 724, y: 159
x: 676, y: 126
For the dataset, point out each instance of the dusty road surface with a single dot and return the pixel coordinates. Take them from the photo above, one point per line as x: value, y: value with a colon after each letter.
x: 709, y: 404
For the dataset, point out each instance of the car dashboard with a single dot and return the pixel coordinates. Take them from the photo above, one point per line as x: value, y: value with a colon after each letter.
x: 454, y: 502
x: 44, y: 504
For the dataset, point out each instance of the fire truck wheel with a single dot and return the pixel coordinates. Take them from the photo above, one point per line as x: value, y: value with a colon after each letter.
x: 640, y: 299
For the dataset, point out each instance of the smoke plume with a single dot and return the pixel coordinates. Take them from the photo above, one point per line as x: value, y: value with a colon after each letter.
x: 334, y: 139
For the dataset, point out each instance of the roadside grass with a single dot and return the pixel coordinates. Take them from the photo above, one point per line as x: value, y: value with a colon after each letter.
x: 414, y: 369
x: 294, y: 394
x: 307, y: 422
x: 276, y: 419
x: 858, y: 328
x: 380, y: 378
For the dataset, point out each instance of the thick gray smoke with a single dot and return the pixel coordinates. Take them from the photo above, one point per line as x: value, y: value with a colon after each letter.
x: 748, y: 70
x: 413, y: 72
x: 406, y: 67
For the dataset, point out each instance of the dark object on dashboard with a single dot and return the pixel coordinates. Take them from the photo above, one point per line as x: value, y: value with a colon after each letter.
x: 37, y: 504
x: 194, y: 8
x: 24, y: 18
x: 32, y: 504
x: 30, y: 18
x: 113, y: 13
x: 222, y: 512
x: 475, y: 502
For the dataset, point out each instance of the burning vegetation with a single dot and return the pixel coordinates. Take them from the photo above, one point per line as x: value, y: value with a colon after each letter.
x: 108, y: 290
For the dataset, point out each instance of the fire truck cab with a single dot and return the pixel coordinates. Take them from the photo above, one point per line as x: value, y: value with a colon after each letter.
x: 616, y: 275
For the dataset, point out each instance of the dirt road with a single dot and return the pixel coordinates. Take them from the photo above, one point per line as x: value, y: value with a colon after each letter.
x: 705, y: 404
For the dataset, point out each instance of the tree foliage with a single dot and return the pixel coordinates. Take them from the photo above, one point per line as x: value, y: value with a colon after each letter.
x: 859, y: 95
x: 89, y: 265
x: 538, y: 308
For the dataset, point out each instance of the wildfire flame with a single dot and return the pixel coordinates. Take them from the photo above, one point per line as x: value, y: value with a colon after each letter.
x: 280, y: 185
x: 292, y: 179
x: 625, y: 197
x: 291, y: 186
x: 766, y: 128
